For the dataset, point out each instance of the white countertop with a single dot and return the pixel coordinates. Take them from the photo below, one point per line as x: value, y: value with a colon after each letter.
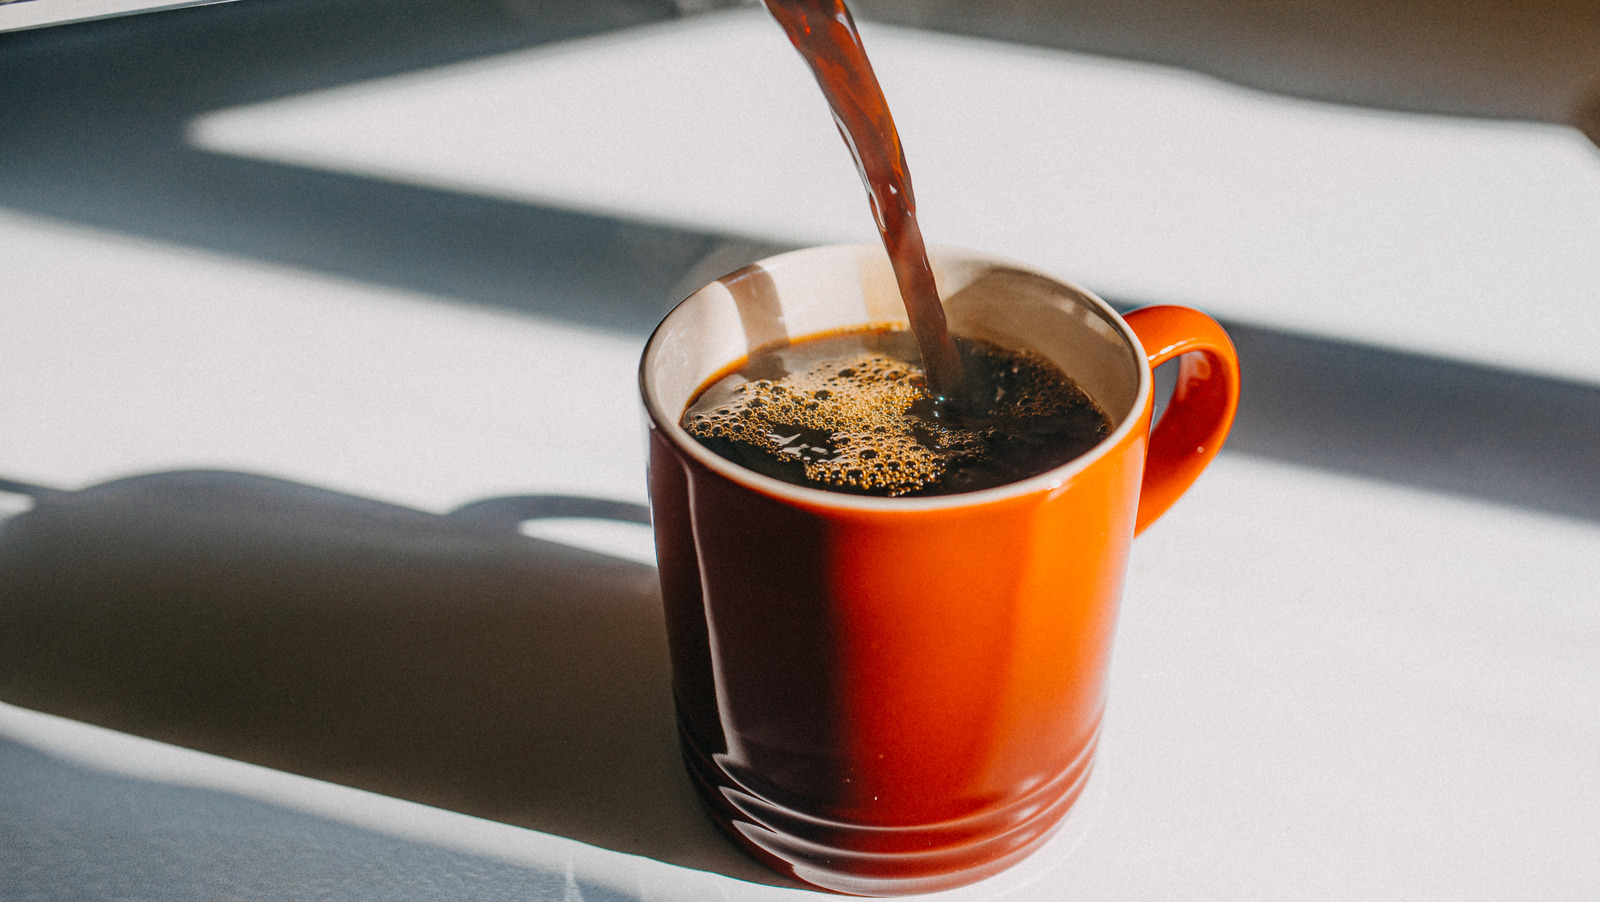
x: 1140, y: 181
x: 1325, y: 687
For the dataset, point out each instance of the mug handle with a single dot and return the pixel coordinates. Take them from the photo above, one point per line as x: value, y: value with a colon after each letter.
x: 1203, y: 402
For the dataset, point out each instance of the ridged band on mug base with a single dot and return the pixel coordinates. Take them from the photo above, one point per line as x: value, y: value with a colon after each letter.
x: 867, y: 860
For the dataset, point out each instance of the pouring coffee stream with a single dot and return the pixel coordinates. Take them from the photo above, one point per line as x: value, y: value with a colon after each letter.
x: 826, y: 36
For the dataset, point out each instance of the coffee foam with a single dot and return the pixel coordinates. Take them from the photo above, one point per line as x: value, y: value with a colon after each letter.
x: 845, y: 420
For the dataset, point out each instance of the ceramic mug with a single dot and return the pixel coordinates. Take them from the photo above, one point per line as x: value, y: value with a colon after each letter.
x: 892, y: 695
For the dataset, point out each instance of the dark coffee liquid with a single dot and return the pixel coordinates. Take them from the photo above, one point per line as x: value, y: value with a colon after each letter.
x: 850, y: 412
x: 826, y: 36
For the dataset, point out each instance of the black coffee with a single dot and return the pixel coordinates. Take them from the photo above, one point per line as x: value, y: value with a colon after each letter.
x: 849, y: 412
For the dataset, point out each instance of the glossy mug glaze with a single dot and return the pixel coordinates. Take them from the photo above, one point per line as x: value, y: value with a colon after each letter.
x: 893, y: 695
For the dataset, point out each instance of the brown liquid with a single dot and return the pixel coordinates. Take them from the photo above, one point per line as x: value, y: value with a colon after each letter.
x: 826, y: 36
x: 849, y: 412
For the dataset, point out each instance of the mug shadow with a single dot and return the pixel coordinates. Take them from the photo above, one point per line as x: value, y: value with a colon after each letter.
x: 447, y: 660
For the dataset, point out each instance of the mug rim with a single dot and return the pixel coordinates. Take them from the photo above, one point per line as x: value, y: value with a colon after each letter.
x: 805, y: 496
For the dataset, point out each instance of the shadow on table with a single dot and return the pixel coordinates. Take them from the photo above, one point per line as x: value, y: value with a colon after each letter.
x: 448, y: 660
x: 76, y: 831
x: 1463, y: 429
x: 94, y: 131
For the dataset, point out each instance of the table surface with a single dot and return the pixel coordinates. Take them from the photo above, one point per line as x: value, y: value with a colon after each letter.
x: 310, y: 325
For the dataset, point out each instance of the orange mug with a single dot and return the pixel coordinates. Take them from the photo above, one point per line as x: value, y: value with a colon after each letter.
x: 894, y: 695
